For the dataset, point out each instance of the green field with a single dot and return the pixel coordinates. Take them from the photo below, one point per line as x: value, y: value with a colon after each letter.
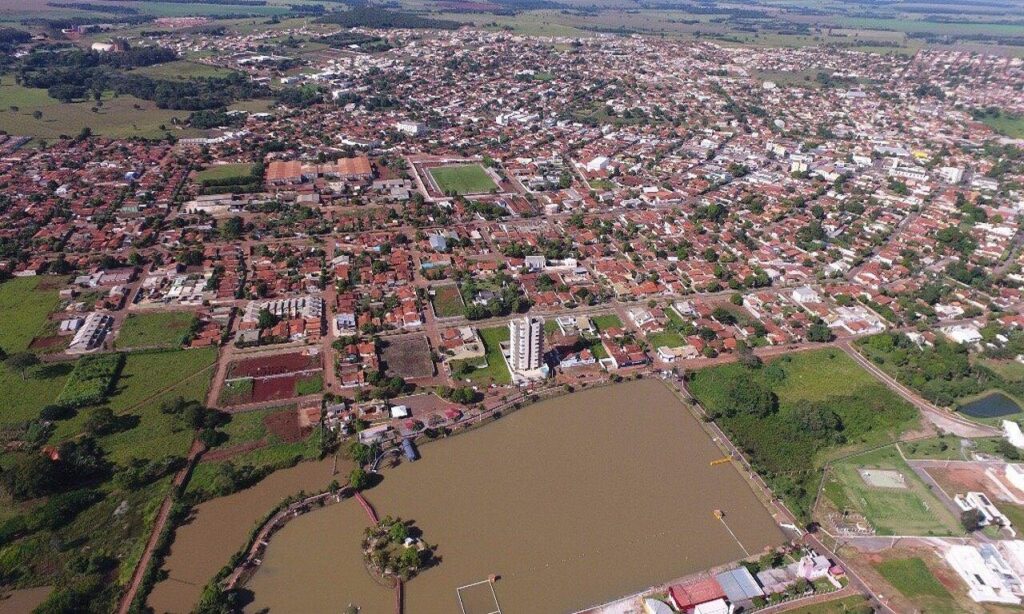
x: 118, y: 117
x: 856, y: 604
x: 220, y: 172
x: 24, y: 303
x: 448, y: 302
x: 603, y: 323
x: 948, y: 448
x: 827, y: 405
x: 183, y: 69
x: 913, y: 578
x: 157, y: 329
x: 311, y: 384
x: 148, y: 379
x: 39, y: 388
x: 496, y: 371
x: 666, y: 338
x: 463, y: 179
x: 1012, y: 127
x: 891, y: 511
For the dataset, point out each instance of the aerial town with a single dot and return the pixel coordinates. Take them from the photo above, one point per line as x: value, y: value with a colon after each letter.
x: 611, y: 323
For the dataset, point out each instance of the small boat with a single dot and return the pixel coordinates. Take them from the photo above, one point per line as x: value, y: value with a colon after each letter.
x: 719, y: 514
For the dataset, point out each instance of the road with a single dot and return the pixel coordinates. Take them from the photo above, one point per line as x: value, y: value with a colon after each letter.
x: 941, y: 418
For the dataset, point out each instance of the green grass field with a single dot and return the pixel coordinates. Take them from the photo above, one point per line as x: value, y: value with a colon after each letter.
x: 463, y: 179
x: 448, y: 302
x: 24, y: 303
x: 856, y: 604
x: 1012, y: 127
x: 157, y: 329
x: 891, y: 511
x: 496, y: 370
x: 40, y: 388
x: 913, y: 578
x: 219, y: 172
x: 948, y: 448
x: 182, y: 69
x: 119, y: 117
x: 603, y: 323
x: 666, y: 338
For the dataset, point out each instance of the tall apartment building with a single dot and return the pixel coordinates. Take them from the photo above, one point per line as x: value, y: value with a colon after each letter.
x: 526, y: 344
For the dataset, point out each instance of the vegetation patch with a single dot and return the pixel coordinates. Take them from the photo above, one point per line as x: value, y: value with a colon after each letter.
x: 495, y: 370
x: 158, y: 329
x: 791, y: 415
x: 25, y: 303
x: 912, y: 578
x: 91, y: 380
x: 448, y: 302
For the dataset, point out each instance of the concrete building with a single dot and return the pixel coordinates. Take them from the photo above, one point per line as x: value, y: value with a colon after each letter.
x: 526, y: 344
x: 91, y: 333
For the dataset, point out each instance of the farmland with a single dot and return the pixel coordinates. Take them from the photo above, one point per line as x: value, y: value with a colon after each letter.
x: 25, y: 303
x: 463, y: 179
x: 161, y: 329
x: 275, y: 377
x: 91, y: 380
x: 817, y: 392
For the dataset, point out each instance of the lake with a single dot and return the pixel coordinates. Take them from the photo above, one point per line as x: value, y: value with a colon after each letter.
x: 992, y: 405
x: 220, y: 527
x: 572, y: 502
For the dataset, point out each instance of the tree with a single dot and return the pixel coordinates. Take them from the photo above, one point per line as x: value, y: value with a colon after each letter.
x: 21, y: 362
x: 819, y: 332
x: 358, y: 479
x: 267, y: 319
x: 749, y: 396
x: 971, y: 520
x: 232, y: 228
x: 101, y: 421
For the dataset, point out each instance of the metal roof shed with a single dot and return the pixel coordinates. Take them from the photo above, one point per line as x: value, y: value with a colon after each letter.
x: 739, y: 585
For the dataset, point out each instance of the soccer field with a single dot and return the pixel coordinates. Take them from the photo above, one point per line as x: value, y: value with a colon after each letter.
x: 463, y: 179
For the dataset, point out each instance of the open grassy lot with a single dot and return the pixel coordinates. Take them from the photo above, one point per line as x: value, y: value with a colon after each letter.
x: 666, y: 338
x: 891, y: 511
x: 219, y: 172
x: 208, y: 480
x: 1006, y: 125
x: 856, y: 604
x: 948, y: 448
x: 463, y: 179
x: 448, y: 302
x: 25, y: 397
x: 183, y: 69
x: 119, y: 117
x: 603, y: 323
x: 148, y: 379
x: 496, y: 370
x: 24, y: 304
x: 826, y: 405
x: 158, y: 329
x: 912, y: 577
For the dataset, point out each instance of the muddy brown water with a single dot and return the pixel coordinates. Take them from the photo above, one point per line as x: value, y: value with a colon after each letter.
x: 220, y: 527
x: 572, y: 502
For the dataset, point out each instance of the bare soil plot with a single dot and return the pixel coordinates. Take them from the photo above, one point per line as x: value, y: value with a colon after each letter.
x: 409, y: 357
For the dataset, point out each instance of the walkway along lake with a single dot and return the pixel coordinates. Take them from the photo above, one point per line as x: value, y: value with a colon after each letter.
x: 572, y: 502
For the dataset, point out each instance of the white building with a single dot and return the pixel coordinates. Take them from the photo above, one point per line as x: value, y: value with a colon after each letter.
x: 599, y: 163
x: 983, y: 582
x: 1015, y: 475
x: 411, y: 128
x: 962, y: 333
x: 526, y: 344
x: 91, y: 333
x: 978, y: 501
